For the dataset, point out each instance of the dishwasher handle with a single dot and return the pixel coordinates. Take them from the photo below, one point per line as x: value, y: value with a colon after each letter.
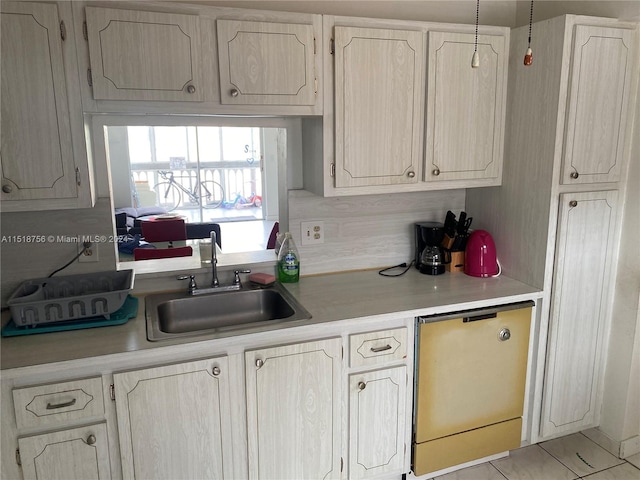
x: 479, y: 317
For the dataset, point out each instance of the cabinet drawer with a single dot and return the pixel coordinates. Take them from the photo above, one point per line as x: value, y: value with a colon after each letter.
x: 58, y: 403
x: 378, y: 347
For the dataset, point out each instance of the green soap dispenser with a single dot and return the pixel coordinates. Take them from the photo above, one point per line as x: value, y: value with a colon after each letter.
x: 288, y: 261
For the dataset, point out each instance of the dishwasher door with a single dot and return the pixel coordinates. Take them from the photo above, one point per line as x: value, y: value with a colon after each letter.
x: 470, y: 385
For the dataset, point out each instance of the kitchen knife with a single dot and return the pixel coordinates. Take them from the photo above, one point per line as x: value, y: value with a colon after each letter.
x: 450, y: 224
x: 461, y: 221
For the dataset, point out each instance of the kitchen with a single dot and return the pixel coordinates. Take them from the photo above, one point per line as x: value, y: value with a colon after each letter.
x: 360, y: 229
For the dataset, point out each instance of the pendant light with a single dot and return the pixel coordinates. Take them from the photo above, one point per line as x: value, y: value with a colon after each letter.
x: 475, y: 60
x: 528, y: 56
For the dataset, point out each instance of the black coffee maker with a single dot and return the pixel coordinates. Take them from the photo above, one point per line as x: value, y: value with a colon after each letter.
x: 430, y: 256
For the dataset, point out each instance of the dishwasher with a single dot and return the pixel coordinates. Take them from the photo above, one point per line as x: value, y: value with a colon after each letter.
x: 470, y: 376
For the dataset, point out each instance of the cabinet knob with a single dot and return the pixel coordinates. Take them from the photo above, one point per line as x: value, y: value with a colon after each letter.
x: 362, y: 385
x: 504, y: 335
x: 91, y: 440
x: 7, y: 188
x: 574, y: 174
x: 191, y: 89
x: 573, y: 203
x: 259, y: 362
x: 411, y: 174
x: 436, y: 172
x: 234, y: 92
x: 216, y: 371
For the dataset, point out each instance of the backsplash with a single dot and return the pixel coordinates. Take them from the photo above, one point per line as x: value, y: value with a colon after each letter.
x: 56, y: 229
x: 366, y: 231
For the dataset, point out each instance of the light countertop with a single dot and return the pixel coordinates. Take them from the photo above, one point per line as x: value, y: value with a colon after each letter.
x: 331, y: 297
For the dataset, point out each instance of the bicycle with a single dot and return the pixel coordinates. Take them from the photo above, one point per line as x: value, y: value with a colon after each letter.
x: 208, y: 194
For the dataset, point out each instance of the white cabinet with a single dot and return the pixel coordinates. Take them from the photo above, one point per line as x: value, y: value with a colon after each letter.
x: 293, y: 410
x: 75, y: 454
x: 378, y: 106
x: 44, y: 160
x: 465, y: 108
x: 377, y: 419
x: 580, y: 301
x: 140, y: 55
x: 598, y: 101
x: 264, y: 63
x: 174, y: 421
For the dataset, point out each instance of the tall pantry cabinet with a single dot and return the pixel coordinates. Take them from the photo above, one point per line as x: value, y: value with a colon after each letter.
x: 556, y: 219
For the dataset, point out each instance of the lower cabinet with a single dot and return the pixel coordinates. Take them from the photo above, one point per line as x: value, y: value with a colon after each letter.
x: 580, y: 312
x: 174, y: 421
x: 377, y: 422
x: 74, y: 454
x: 293, y: 405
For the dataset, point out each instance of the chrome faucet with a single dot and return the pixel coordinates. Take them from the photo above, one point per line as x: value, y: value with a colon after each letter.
x: 214, y: 261
x: 215, y: 284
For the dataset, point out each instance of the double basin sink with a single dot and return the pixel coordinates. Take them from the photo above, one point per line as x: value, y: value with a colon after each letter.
x: 177, y: 314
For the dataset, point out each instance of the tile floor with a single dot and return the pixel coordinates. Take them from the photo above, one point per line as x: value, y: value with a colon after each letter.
x: 567, y: 458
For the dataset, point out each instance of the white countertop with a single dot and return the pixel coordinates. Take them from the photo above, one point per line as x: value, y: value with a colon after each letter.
x: 331, y: 297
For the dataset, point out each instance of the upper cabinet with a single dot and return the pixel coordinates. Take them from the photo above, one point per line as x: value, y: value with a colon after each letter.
x: 404, y: 110
x: 465, y: 107
x: 266, y: 63
x: 598, y: 99
x: 139, y: 55
x: 378, y: 105
x: 43, y: 155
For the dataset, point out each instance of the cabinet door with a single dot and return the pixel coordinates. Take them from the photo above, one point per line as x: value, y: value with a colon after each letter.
x: 266, y: 63
x: 377, y: 422
x: 598, y: 102
x: 465, y: 107
x: 76, y: 454
x: 378, y: 106
x: 174, y: 421
x: 580, y: 305
x: 138, y: 55
x: 293, y: 411
x: 37, y: 159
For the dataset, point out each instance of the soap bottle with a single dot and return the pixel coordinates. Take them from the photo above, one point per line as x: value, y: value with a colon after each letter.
x: 288, y: 261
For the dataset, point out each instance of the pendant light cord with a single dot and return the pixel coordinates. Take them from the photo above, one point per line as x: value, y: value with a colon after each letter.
x: 477, y: 20
x: 475, y: 59
x: 528, y: 56
x: 530, y: 23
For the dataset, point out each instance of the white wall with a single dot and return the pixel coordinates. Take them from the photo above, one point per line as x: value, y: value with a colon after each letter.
x: 545, y: 9
x: 492, y: 12
x: 367, y: 231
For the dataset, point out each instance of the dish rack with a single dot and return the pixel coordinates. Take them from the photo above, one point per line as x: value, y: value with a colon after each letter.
x: 71, y: 297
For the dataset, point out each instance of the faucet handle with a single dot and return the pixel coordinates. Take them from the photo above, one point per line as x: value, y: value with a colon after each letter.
x: 236, y: 278
x: 192, y: 282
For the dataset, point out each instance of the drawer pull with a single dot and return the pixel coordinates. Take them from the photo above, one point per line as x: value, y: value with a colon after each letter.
x: 381, y: 349
x: 53, y: 406
x: 91, y: 440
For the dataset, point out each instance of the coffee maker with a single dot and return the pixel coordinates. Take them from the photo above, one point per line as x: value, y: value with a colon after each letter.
x: 430, y: 256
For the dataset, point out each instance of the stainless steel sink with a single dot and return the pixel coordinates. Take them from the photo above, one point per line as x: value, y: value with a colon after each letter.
x: 171, y: 315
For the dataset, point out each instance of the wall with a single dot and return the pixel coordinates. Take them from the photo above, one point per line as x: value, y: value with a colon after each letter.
x: 492, y: 12
x: 22, y: 261
x: 369, y: 231
x: 542, y: 10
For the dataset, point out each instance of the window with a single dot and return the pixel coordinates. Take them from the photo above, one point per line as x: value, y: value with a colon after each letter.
x: 192, y: 170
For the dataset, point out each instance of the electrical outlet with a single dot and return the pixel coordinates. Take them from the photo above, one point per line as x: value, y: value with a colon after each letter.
x: 312, y: 232
x: 90, y: 255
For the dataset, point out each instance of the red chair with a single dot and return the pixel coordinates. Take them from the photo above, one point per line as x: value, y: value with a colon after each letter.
x: 153, y: 253
x: 165, y: 231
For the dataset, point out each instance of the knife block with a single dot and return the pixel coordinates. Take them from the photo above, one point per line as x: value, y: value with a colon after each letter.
x: 457, y: 262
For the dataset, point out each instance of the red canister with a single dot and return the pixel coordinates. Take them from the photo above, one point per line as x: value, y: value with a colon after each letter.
x: 480, y: 255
